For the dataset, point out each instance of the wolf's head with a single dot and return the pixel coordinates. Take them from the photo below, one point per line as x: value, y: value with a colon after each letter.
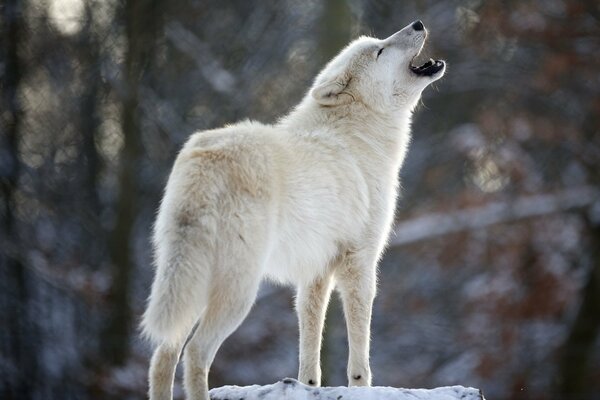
x: 379, y: 73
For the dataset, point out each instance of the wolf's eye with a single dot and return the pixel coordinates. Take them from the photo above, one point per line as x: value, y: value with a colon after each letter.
x: 379, y: 52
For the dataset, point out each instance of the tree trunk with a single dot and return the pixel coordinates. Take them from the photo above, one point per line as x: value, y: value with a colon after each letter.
x: 90, y: 119
x: 334, y: 34
x: 577, y: 349
x: 574, y: 372
x: 142, y: 26
x: 89, y: 122
x: 336, y: 29
x: 19, y: 345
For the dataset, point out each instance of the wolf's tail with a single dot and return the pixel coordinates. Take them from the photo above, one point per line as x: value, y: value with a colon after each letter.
x: 180, y: 289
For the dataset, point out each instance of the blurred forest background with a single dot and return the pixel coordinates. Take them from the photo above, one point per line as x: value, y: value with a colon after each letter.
x: 492, y: 278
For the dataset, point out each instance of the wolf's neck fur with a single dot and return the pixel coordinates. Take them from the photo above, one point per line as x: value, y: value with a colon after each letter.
x: 385, y: 136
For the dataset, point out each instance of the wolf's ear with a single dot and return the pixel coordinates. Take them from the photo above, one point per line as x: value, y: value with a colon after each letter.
x: 333, y: 92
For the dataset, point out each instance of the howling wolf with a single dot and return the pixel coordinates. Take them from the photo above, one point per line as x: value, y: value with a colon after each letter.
x: 308, y: 201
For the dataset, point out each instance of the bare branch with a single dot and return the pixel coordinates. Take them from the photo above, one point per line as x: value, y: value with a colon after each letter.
x: 213, y: 71
x: 438, y: 224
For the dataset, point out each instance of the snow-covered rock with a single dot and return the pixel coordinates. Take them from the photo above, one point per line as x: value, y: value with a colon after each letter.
x: 291, y: 389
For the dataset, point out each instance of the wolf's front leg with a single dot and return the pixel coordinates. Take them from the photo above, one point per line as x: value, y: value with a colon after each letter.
x: 356, y: 282
x: 311, y: 305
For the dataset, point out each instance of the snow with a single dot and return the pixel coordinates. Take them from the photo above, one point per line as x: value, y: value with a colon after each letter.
x: 291, y: 389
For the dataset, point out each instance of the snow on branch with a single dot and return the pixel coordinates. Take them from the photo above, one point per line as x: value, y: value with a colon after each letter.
x: 291, y: 389
x: 438, y: 224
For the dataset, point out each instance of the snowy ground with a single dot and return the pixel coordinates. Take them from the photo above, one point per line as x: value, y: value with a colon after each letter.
x: 291, y: 389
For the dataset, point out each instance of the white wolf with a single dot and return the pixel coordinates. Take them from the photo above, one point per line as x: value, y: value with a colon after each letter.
x: 308, y: 201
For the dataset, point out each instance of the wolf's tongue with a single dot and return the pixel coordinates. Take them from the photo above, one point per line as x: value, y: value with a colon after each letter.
x: 426, y: 65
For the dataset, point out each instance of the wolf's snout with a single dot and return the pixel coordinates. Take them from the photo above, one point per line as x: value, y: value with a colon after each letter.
x: 418, y: 25
x: 410, y: 36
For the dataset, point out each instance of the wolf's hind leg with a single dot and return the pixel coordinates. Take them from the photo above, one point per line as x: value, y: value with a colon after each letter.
x: 162, y: 371
x: 233, y: 289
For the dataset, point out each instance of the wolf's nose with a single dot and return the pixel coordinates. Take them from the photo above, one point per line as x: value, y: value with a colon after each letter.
x: 418, y: 25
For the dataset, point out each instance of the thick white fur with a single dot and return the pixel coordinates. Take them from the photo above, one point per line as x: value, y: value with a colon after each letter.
x: 308, y: 201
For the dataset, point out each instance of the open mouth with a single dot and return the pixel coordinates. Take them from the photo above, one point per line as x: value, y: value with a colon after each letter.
x: 429, y: 68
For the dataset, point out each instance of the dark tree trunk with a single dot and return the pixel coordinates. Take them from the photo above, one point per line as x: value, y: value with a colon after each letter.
x: 575, y: 371
x: 579, y: 346
x: 142, y: 26
x: 18, y: 343
x: 336, y: 29
x: 90, y: 121
x: 334, y: 34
